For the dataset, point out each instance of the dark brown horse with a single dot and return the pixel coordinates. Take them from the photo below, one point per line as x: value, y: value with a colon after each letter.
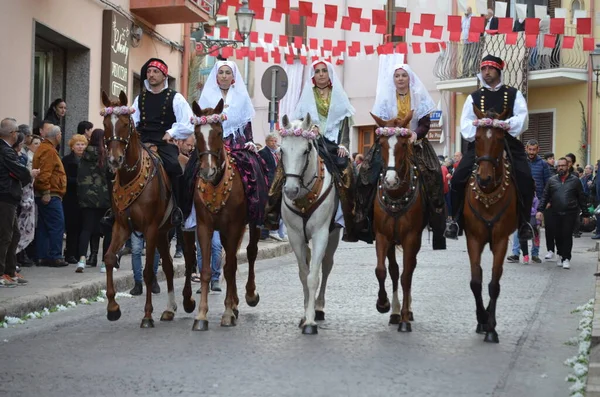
x: 141, y: 202
x: 490, y: 216
x: 220, y: 204
x: 399, y: 217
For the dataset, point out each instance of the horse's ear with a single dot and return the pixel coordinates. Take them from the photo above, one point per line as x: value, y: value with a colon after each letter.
x: 478, y: 113
x: 285, y: 121
x: 307, y: 122
x: 219, y: 108
x: 123, y: 98
x: 379, y: 121
x: 504, y: 115
x: 407, y: 119
x: 105, y: 100
x: 196, y: 109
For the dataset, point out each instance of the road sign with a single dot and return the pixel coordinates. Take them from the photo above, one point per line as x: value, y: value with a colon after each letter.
x: 274, y: 84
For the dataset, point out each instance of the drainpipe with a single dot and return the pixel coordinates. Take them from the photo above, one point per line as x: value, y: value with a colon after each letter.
x: 183, y: 89
x: 452, y: 140
x: 590, y: 101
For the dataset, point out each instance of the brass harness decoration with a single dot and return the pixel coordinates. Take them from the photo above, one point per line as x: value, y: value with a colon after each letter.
x: 124, y: 196
x: 214, y: 197
x: 488, y: 199
x: 305, y: 203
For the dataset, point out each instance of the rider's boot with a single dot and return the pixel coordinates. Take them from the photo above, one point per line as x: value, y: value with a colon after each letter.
x: 434, y: 191
x: 176, y: 213
x: 346, y: 193
x: 273, y: 209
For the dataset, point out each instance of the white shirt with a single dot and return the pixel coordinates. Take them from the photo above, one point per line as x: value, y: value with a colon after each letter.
x: 182, y: 128
x: 518, y: 122
x: 466, y: 25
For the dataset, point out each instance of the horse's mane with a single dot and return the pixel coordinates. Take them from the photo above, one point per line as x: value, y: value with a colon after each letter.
x: 491, y: 114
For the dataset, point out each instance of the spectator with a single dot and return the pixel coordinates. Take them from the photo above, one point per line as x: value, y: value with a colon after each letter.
x: 27, y: 216
x: 586, y: 182
x: 94, y: 199
x: 215, y: 262
x: 70, y: 203
x: 536, y: 233
x: 565, y: 196
x: 46, y: 128
x: 137, y: 245
x: 270, y: 154
x: 56, y: 112
x: 549, y: 158
x: 491, y: 21
x: 186, y: 146
x: 457, y: 158
x: 24, y: 128
x: 50, y: 187
x: 571, y: 160
x: 13, y: 176
x: 85, y: 128
x: 447, y: 176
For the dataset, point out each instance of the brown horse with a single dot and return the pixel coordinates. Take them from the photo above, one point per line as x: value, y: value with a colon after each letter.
x: 399, y: 217
x: 141, y: 202
x: 220, y: 204
x: 490, y: 216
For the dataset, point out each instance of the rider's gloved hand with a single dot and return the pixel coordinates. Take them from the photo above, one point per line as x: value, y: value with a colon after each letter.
x: 342, y: 151
x: 250, y: 146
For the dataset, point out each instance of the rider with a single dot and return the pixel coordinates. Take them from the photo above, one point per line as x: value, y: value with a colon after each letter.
x: 399, y: 90
x: 225, y: 82
x: 498, y: 97
x: 324, y: 98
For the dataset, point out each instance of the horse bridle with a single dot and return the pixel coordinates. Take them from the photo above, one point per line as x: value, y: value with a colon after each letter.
x: 301, y: 175
x: 125, y: 141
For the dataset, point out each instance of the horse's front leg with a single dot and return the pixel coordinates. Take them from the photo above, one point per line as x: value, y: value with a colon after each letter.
x: 231, y: 241
x: 151, y: 235
x: 252, y: 297
x: 119, y: 236
x: 499, y: 250
x: 319, y: 243
x: 189, y: 254
x: 382, y: 245
x: 167, y: 265
x: 411, y: 246
x: 205, y: 233
x: 302, y: 253
x: 394, y: 271
x: 332, y: 244
x: 474, y: 249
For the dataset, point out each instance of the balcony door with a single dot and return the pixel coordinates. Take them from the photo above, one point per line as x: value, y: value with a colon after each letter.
x: 541, y: 128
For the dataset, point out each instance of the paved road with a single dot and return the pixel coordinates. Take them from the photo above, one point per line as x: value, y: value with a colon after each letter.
x: 356, y: 353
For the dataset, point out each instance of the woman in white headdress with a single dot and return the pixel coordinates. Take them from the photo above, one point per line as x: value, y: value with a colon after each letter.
x: 324, y: 98
x: 225, y: 82
x: 400, y: 91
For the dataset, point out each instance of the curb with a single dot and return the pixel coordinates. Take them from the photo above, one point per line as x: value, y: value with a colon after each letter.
x: 593, y: 377
x: 123, y: 281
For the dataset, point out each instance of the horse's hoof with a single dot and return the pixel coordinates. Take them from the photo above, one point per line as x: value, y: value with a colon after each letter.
x: 189, y: 305
x: 114, y: 316
x: 481, y: 328
x: 167, y: 316
x: 310, y: 330
x: 302, y: 320
x: 405, y: 327
x: 252, y: 302
x: 236, y: 313
x: 383, y: 308
x: 411, y: 317
x: 394, y: 319
x: 319, y: 315
x: 200, y: 325
x: 147, y: 323
x: 230, y: 323
x: 491, y: 337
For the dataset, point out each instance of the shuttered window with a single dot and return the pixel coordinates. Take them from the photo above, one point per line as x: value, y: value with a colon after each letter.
x: 391, y: 11
x: 540, y: 129
x: 366, y: 138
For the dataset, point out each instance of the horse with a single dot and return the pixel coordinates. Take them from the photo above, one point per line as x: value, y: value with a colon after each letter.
x: 490, y: 213
x: 310, y: 203
x: 141, y: 201
x: 220, y: 204
x: 399, y: 216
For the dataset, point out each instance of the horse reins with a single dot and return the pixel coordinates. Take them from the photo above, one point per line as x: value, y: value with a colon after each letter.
x: 300, y: 176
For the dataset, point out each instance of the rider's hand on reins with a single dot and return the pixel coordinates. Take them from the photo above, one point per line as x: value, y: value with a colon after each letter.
x: 342, y: 151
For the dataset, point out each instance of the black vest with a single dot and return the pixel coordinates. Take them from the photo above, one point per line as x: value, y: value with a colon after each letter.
x: 497, y: 101
x: 156, y: 115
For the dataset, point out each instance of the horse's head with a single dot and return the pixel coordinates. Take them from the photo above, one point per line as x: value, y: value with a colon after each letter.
x: 489, y: 145
x: 396, y: 148
x: 296, y: 144
x: 209, y: 139
x: 118, y: 128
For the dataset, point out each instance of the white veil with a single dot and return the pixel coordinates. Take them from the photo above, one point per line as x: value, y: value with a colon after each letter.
x: 386, y: 105
x: 238, y: 107
x: 339, y: 107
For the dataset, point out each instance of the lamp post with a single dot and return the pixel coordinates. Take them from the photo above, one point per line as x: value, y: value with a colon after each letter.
x: 244, y: 18
x: 595, y: 62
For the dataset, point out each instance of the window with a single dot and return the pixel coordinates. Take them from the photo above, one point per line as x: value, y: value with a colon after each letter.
x: 292, y: 31
x: 541, y: 129
x: 576, y: 5
x: 551, y: 4
x: 391, y: 17
x: 366, y: 138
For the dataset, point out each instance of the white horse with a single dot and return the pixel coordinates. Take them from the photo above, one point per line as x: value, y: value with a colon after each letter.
x: 310, y: 202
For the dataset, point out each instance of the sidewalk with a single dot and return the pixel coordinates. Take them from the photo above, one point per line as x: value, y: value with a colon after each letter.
x: 49, y: 287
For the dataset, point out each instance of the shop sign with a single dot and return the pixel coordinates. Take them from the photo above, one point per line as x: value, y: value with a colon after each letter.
x: 116, y: 34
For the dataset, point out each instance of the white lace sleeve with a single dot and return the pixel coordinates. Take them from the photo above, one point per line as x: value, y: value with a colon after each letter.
x: 467, y: 129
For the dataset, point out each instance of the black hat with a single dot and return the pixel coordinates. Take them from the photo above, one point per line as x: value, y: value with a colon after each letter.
x: 495, y: 62
x: 153, y: 62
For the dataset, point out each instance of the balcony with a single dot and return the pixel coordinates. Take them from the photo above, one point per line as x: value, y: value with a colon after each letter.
x: 160, y: 12
x: 458, y: 65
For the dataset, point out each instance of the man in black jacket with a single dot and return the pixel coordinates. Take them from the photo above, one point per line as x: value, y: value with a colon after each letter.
x: 565, y: 195
x: 13, y: 176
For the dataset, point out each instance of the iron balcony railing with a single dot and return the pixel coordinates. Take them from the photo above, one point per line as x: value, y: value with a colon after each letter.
x: 209, y: 6
x: 461, y: 60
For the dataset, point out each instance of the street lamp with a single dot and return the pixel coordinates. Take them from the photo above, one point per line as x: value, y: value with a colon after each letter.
x: 244, y: 18
x: 595, y: 61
